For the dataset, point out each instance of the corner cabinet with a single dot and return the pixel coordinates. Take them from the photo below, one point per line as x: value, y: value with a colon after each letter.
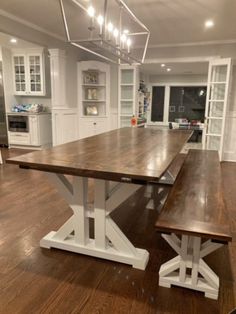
x: 128, y: 94
x: 28, y: 72
x: 93, y: 97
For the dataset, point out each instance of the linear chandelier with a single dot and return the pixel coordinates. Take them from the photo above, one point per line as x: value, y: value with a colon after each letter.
x: 108, y: 41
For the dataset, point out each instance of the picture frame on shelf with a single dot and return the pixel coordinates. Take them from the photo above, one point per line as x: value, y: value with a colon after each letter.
x: 92, y: 94
x: 91, y: 77
x: 91, y: 110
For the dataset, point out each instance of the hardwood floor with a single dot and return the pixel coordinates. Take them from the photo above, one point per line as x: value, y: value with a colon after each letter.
x: 35, y: 280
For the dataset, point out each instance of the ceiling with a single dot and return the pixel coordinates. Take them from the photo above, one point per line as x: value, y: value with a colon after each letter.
x: 171, y: 22
x: 193, y: 68
x: 5, y: 42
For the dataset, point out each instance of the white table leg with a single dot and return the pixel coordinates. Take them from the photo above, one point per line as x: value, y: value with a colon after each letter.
x: 190, y: 253
x: 109, y: 241
x: 1, y: 161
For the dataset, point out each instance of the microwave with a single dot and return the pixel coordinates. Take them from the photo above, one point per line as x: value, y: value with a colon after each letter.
x: 18, y: 123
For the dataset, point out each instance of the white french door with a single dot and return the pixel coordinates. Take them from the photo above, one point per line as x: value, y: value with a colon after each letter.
x: 216, y: 104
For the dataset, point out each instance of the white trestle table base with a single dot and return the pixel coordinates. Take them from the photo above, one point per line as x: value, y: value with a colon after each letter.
x: 190, y: 250
x: 109, y: 241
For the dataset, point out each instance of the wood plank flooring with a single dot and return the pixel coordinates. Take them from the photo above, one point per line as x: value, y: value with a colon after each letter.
x: 35, y: 280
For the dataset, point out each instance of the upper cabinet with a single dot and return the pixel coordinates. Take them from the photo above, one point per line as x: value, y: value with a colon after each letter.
x: 94, y: 89
x: 29, y: 72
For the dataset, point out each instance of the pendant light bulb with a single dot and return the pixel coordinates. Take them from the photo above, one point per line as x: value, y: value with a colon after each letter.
x: 123, y: 38
x: 115, y: 32
x: 110, y: 27
x: 91, y: 11
x: 100, y: 19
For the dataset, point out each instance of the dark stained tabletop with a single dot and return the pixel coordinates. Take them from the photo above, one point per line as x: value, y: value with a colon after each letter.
x: 120, y: 155
x: 195, y: 205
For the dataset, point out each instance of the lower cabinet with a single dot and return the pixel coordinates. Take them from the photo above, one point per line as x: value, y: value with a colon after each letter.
x: 18, y: 138
x: 92, y: 126
x: 39, y: 132
x: 64, y: 125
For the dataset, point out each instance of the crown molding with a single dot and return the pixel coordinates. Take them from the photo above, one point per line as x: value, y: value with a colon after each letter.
x: 29, y: 24
x: 191, y: 44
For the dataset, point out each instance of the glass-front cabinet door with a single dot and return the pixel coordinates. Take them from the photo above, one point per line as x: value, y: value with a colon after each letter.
x: 29, y: 72
x: 19, y: 68
x: 35, y: 74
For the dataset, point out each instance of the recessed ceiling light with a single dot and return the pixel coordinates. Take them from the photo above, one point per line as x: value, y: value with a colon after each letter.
x: 13, y: 40
x: 168, y: 69
x: 209, y: 23
x: 163, y: 65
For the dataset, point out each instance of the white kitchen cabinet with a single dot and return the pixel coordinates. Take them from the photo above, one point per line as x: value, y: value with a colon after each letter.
x: 93, y: 126
x: 64, y: 125
x: 29, y: 72
x: 18, y: 138
x: 39, y: 133
x: 93, y: 97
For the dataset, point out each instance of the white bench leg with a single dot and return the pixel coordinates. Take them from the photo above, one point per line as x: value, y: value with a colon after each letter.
x: 109, y: 241
x: 190, y: 252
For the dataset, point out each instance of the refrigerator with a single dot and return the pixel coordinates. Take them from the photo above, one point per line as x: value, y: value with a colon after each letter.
x: 3, y: 124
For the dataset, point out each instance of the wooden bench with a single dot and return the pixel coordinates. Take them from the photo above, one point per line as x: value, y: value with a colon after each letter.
x: 194, y: 222
x: 156, y: 191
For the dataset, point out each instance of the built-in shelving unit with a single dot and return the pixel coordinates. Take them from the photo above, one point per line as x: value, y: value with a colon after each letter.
x: 93, y: 97
x: 128, y: 94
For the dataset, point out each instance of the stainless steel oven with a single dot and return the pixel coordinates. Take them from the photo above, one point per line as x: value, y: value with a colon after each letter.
x: 18, y: 123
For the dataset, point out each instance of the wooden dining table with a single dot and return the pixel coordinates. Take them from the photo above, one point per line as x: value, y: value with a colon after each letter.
x: 120, y: 162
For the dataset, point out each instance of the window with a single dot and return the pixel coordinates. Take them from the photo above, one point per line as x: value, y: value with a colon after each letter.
x: 158, y: 98
x: 187, y: 103
x: 178, y: 102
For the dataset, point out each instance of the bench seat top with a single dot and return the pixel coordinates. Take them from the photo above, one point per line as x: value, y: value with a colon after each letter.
x: 195, y: 205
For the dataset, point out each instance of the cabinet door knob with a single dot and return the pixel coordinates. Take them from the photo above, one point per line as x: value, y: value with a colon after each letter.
x: 94, y: 123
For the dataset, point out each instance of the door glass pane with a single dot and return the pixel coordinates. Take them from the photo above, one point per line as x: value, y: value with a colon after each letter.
x: 213, y: 142
x: 217, y: 92
x: 216, y: 109
x: 158, y: 97
x: 214, y: 126
x: 219, y: 73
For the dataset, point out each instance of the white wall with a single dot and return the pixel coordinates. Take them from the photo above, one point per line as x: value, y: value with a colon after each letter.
x: 177, y: 79
x: 71, y: 78
x: 0, y: 53
x: 10, y: 99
